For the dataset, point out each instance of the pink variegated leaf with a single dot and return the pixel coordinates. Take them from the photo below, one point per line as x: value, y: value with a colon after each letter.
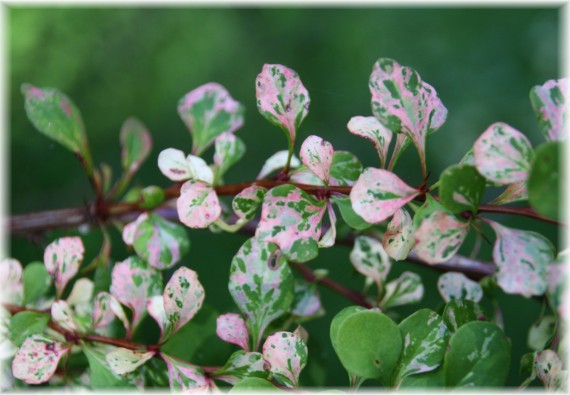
x: 438, y: 232
x: 514, y: 193
x: 246, y: 202
x: 198, y: 205
x: 172, y: 163
x: 287, y: 355
x: 278, y: 161
x: 242, y: 364
x: 503, y: 154
x: 371, y: 129
x: 282, y: 99
x: 62, y: 314
x: 307, y: 300
x: 402, y: 142
x: 62, y: 259
x: 133, y: 282
x: 155, y: 308
x: 549, y: 368
x: 199, y: 169
x: 229, y: 150
x: 317, y: 155
x: 406, y: 289
x: 209, y: 111
x: 329, y: 237
x: 550, y: 104
x: 404, y: 103
x: 136, y: 143
x: 399, y: 239
x: 291, y: 218
x: 183, y: 297
x: 456, y: 286
x: 557, y: 280
x: 11, y: 280
x: 130, y: 228
x: 185, y: 377
x: 105, y: 308
x: 123, y: 361
x: 302, y: 175
x: 36, y: 360
x: 522, y: 258
x: 231, y: 328
x: 378, y: 194
x: 369, y: 259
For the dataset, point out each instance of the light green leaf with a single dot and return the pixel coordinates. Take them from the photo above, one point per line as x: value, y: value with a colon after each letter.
x: 369, y: 259
x: 136, y: 143
x: 123, y: 361
x: 345, y: 169
x: 36, y: 282
x: 352, y: 219
x: 229, y: 150
x: 458, y: 312
x: 452, y: 285
x: 26, y: 324
x: 254, y: 384
x: 406, y: 289
x: 541, y: 332
x: 240, y: 365
x: 100, y: 375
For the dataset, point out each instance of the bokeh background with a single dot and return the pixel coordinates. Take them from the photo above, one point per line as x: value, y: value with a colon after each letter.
x: 120, y: 62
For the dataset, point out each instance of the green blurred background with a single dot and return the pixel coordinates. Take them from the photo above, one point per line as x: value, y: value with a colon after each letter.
x: 121, y: 62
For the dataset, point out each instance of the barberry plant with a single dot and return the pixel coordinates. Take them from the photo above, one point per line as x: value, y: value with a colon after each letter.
x: 58, y: 311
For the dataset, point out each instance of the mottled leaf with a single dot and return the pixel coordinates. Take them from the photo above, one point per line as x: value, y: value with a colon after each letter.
x: 62, y: 315
x: 129, y: 229
x: 278, y: 161
x: 550, y: 104
x: 25, y: 324
x: 81, y: 296
x: 369, y: 259
x: 62, y: 259
x: 209, y: 111
x: 246, y: 202
x: 317, y: 155
x: 136, y: 143
x: 458, y: 312
x: 184, y: 376
x: 378, y: 194
x: 541, y: 332
x: 371, y: 129
x: 399, y: 238
x: 198, y: 205
x: 57, y: 117
x: 404, y: 103
x: 479, y: 356
x: 439, y: 234
x: 452, y: 285
x: 329, y: 238
x: 160, y: 242
x: 172, y: 163
x: 123, y: 361
x: 240, y: 365
x: 406, y: 289
x: 522, y: 258
x: 101, y: 376
x: 231, y: 328
x: 461, y: 188
x: 549, y: 369
x: 36, y: 361
x: 433, y: 380
x: 345, y: 169
x: 287, y: 356
x: 155, y: 308
x: 503, y: 154
x: 151, y: 197
x: 291, y: 218
x: 425, y: 339
x: 36, y: 282
x: 469, y: 159
x: 302, y: 175
x: 515, y: 192
x: 11, y: 280
x: 133, y: 283
x: 557, y: 280
x: 229, y: 150
x: 352, y: 219
x: 254, y: 384
x: 544, y: 180
x: 261, y: 284
x: 307, y: 300
x: 105, y: 308
x: 282, y: 99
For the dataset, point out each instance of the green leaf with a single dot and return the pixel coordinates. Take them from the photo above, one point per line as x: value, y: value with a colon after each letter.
x: 101, y: 376
x: 345, y: 169
x: 479, y: 356
x: 254, y: 384
x: 151, y: 197
x: 339, y: 319
x: 229, y: 150
x: 425, y: 339
x: 461, y: 188
x: 459, y: 312
x: 433, y: 379
x: 352, y: 219
x: 406, y: 289
x: 136, y: 143
x: 56, y: 116
x: 26, y: 324
x: 369, y: 345
x: 544, y: 180
x: 240, y: 365
x: 36, y: 281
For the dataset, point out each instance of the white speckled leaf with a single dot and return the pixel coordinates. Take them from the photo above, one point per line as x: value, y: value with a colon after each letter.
x: 246, y: 202
x: 371, y: 129
x: 62, y: 259
x: 198, y: 205
x: 406, y: 289
x: 345, y: 169
x: 261, y: 284
x: 160, y: 242
x: 172, y: 163
x: 105, y: 308
x: 557, y: 280
x: 549, y: 369
x: 503, y: 154
x: 515, y: 192
x: 136, y: 143
x: 199, y: 169
x: 438, y: 233
x: 399, y: 239
x: 62, y: 314
x: 229, y: 150
x: 240, y: 365
x: 231, y: 328
x: 123, y: 361
x: 302, y: 175
x: 378, y: 194
x: 183, y: 297
x: 291, y: 218
x: 133, y: 282
x: 184, y: 376
x: 317, y: 155
x: 282, y: 99
x: 329, y: 237
x: 550, y: 104
x: 456, y: 286
x: 522, y: 258
x: 155, y: 308
x: 287, y: 355
x: 278, y: 161
x: 36, y: 361
x: 369, y: 259
x: 209, y: 111
x: 425, y: 339
x: 307, y: 300
x: 404, y: 103
x: 11, y: 280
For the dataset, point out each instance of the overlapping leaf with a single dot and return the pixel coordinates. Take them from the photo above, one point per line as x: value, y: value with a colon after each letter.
x: 123, y: 361
x: 198, y: 205
x: 371, y: 129
x: 229, y: 150
x: 62, y: 314
x: 184, y: 376
x: 278, y: 161
x: 406, y: 289
x: 307, y: 300
x: 136, y: 143
x: 231, y: 328
x: 369, y: 258
x: 62, y: 259
x: 456, y: 286
x: 549, y: 369
x: 550, y: 104
x: 345, y: 169
x: 36, y: 280
x: 246, y: 202
x: 36, y: 361
x: 515, y: 192
x: 461, y: 188
x: 105, y: 308
x: 399, y: 238
x: 177, y: 167
x: 240, y: 365
x: 317, y: 155
x: 287, y: 356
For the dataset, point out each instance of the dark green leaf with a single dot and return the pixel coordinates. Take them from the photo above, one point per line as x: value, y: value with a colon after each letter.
x: 461, y: 188
x: 26, y: 324
x: 459, y: 312
x: 544, y: 180
x: 101, y: 376
x: 352, y: 219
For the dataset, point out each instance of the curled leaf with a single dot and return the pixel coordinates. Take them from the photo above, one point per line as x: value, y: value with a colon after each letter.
x: 172, y: 163
x: 11, y: 280
x: 317, y: 155
x: 105, y: 308
x: 278, y: 161
x: 246, y: 202
x: 406, y: 289
x: 550, y: 104
x: 183, y: 376
x: 329, y: 237
x: 137, y: 144
x: 369, y: 259
x: 307, y: 300
x: 399, y: 239
x: 198, y: 205
x: 62, y: 259
x: 231, y: 328
x: 36, y: 361
x: 229, y: 150
x: 456, y: 286
x: 515, y: 192
x: 371, y: 129
x: 130, y: 229
x: 123, y: 361
x: 240, y: 365
x: 62, y: 314
x: 287, y: 355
